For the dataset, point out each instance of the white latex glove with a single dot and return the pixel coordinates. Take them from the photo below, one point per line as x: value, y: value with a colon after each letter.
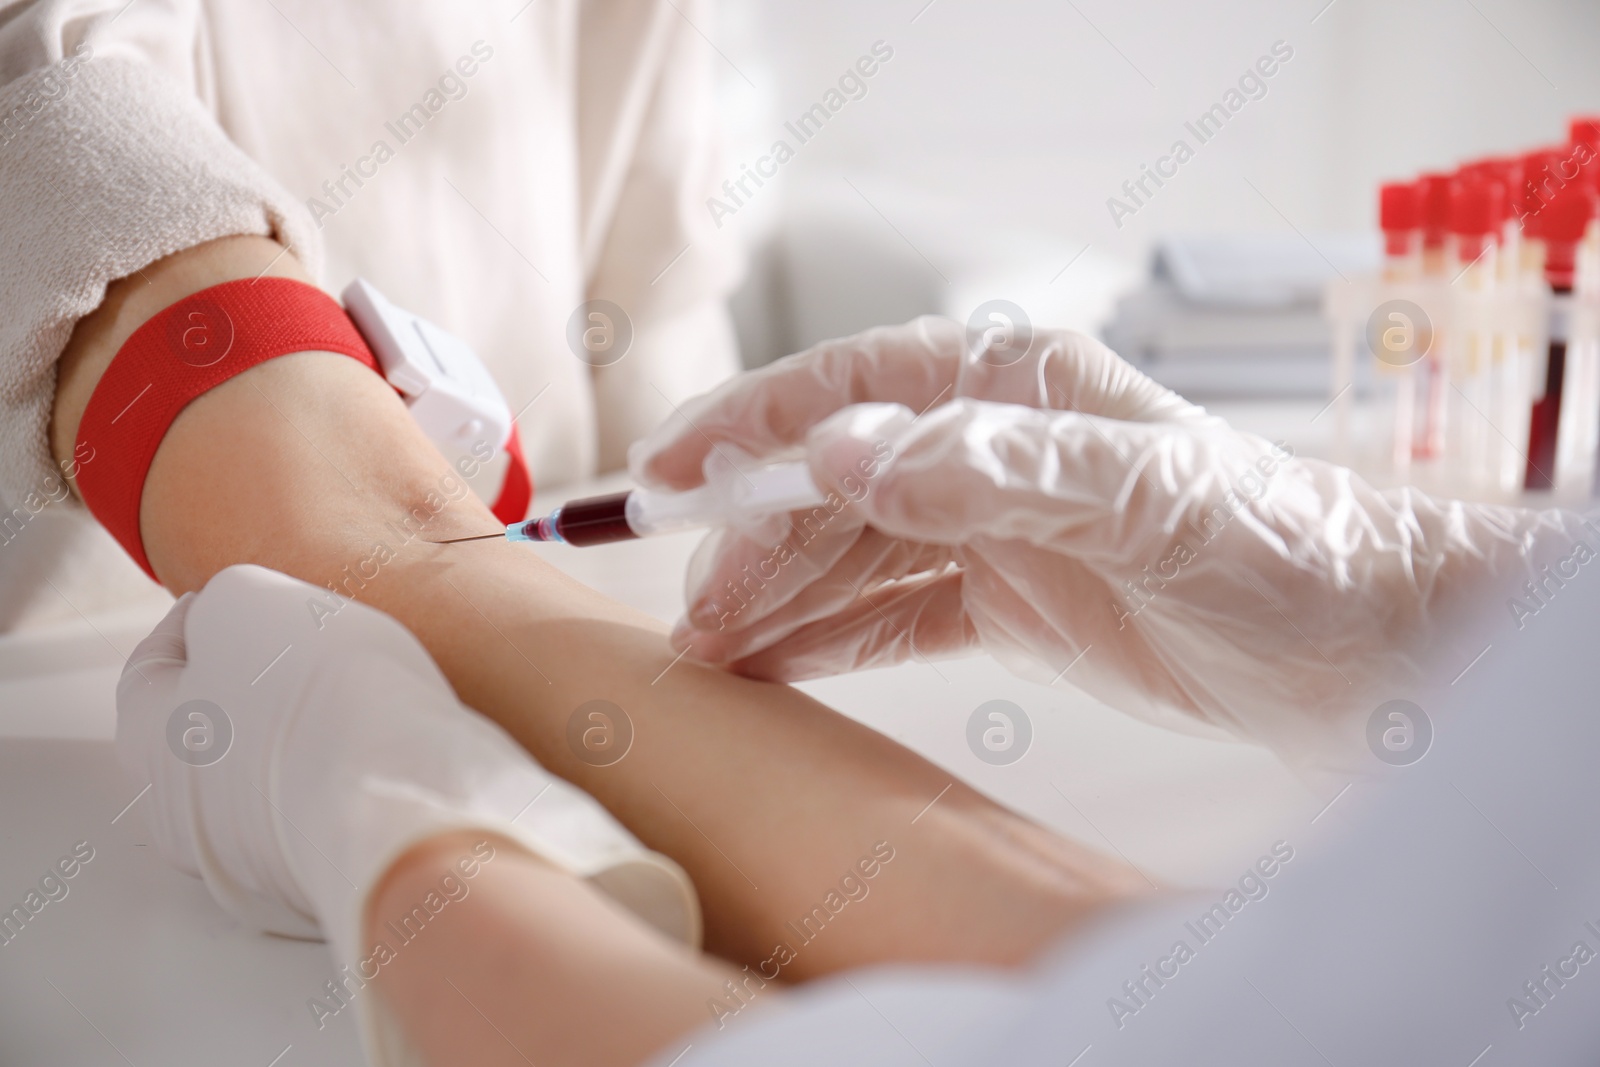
x: 1094, y: 528
x: 347, y: 748
x: 920, y: 364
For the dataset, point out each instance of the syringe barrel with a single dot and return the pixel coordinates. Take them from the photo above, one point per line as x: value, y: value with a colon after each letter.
x: 735, y: 496
x: 597, y: 520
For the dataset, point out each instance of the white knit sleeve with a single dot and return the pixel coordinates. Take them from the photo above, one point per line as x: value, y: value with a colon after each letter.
x: 108, y: 162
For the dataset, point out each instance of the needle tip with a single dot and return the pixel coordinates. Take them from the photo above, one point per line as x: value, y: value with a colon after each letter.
x: 458, y: 540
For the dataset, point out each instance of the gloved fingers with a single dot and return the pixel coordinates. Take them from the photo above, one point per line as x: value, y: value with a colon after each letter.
x: 146, y: 698
x: 1070, y: 371
x: 165, y: 641
x: 258, y: 630
x: 261, y: 648
x: 736, y: 582
x: 161, y: 650
x: 1084, y: 375
x: 145, y: 689
x: 950, y: 474
x: 380, y: 754
x: 920, y: 364
x: 874, y: 561
x: 246, y: 617
x: 1059, y: 614
x: 1108, y: 492
x: 770, y: 410
x: 917, y: 619
x: 735, y: 579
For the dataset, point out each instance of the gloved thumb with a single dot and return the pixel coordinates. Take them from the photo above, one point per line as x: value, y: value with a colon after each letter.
x: 971, y: 468
x: 939, y: 477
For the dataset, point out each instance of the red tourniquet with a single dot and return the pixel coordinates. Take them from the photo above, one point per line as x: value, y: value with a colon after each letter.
x: 192, y: 347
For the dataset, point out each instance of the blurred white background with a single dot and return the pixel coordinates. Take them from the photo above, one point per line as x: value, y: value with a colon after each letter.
x: 980, y: 160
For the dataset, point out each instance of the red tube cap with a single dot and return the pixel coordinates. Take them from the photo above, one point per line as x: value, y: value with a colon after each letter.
x: 1541, y: 180
x: 1584, y: 129
x: 1398, y: 207
x: 1434, y: 192
x: 1565, y: 215
x: 1498, y: 168
x: 1478, y: 207
x: 1586, y: 155
x: 1560, y: 223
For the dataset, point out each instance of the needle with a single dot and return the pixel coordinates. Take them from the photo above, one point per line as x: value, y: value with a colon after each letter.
x: 458, y: 540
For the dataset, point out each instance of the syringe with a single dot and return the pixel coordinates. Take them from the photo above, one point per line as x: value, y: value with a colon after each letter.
x: 736, y: 495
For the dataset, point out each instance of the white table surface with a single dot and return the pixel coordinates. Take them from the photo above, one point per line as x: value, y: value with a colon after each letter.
x: 137, y: 966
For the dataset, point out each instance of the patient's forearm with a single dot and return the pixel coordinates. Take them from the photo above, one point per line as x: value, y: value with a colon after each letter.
x: 309, y: 464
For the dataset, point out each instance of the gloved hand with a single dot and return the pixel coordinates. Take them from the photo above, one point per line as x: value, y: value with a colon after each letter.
x: 295, y: 752
x: 920, y: 364
x: 1091, y: 527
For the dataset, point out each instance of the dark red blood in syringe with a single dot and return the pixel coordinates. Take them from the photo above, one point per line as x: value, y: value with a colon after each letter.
x: 595, y: 521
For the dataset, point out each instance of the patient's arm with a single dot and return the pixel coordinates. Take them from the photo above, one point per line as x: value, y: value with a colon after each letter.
x: 307, y: 462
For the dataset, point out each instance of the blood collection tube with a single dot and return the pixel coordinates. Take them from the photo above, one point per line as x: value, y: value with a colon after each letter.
x: 1557, y: 225
x: 1577, y: 462
x: 1503, y: 256
x: 1528, y: 199
x: 1477, y: 214
x: 1507, y: 170
x: 1400, y: 217
x: 1430, y: 373
x: 1585, y: 132
x: 1511, y: 347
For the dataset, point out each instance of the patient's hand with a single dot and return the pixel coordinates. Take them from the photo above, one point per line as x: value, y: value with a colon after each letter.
x: 307, y: 776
